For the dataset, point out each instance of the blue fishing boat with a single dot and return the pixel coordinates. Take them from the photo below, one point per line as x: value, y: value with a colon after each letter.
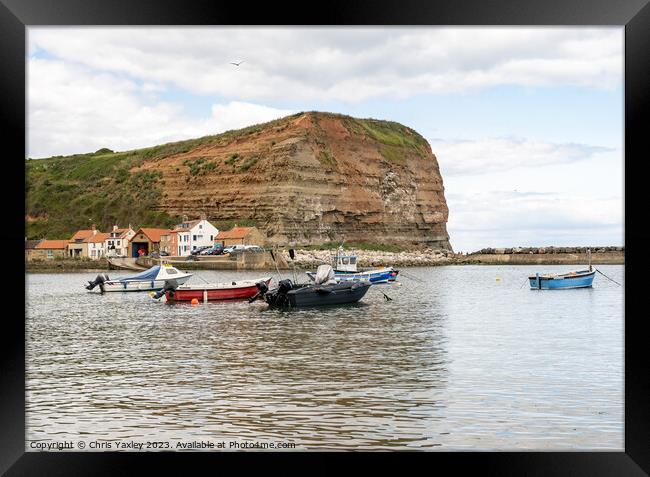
x: 576, y: 279
x: 345, y: 268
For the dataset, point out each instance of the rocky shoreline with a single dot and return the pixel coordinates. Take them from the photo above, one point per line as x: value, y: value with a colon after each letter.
x: 370, y: 258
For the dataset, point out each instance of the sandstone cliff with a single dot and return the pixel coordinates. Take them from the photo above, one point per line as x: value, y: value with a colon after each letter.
x: 309, y: 178
x: 313, y: 178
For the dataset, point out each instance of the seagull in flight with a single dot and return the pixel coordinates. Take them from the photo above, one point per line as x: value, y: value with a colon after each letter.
x: 237, y: 64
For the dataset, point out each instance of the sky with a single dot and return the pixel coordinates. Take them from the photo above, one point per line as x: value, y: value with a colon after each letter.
x: 526, y: 123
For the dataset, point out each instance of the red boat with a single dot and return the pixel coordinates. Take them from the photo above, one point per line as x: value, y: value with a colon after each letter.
x: 237, y: 290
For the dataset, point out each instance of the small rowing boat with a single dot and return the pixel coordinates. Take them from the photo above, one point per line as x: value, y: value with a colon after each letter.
x: 577, y: 279
x: 563, y: 281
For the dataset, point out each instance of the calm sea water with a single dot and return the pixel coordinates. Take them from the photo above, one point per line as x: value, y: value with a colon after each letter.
x: 460, y: 359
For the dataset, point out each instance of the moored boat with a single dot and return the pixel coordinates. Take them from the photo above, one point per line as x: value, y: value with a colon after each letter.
x: 152, y: 279
x: 563, y: 281
x: 235, y: 290
x: 577, y: 279
x: 345, y: 268
x: 324, y: 291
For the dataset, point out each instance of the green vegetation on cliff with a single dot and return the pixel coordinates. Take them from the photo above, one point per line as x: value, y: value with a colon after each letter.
x: 64, y: 194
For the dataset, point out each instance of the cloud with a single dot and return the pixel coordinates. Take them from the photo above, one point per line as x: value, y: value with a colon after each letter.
x: 528, y: 218
x: 73, y: 109
x: 465, y: 157
x: 237, y: 114
x: 349, y: 64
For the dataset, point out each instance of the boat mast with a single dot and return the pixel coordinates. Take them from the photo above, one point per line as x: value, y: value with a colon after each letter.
x: 589, y: 257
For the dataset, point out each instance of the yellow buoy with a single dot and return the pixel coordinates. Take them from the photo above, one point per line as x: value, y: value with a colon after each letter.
x: 498, y: 279
x: 195, y: 301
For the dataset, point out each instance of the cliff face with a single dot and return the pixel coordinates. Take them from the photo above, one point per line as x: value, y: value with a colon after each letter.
x: 313, y: 178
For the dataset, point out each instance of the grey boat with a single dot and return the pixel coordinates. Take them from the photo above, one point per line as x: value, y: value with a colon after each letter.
x: 325, y: 291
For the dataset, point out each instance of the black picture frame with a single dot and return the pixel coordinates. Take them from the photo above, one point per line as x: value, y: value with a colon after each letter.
x: 634, y: 15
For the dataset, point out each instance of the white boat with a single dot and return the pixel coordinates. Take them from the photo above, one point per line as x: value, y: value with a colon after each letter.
x: 150, y: 280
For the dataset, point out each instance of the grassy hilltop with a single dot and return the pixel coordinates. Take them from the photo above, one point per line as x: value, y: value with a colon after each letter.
x: 64, y: 194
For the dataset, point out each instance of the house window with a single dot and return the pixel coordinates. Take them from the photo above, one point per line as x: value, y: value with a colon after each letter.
x: 200, y: 226
x: 194, y: 237
x: 211, y: 239
x: 50, y: 254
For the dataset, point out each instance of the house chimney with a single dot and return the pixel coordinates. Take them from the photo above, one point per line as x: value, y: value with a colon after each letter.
x: 94, y: 230
x: 185, y: 218
x: 114, y: 228
x: 203, y: 216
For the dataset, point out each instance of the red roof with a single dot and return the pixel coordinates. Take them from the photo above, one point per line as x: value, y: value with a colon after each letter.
x: 81, y: 234
x: 98, y: 237
x: 235, y: 233
x: 52, y: 244
x: 153, y: 234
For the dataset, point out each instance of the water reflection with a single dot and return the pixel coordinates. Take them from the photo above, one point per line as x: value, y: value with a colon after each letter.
x: 465, y: 362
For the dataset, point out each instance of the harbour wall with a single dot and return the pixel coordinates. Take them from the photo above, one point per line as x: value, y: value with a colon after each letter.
x: 311, y: 259
x: 237, y: 261
x: 597, y: 258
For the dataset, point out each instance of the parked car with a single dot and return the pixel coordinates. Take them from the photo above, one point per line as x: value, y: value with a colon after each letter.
x: 254, y: 248
x: 217, y: 251
x: 243, y: 248
x: 164, y: 254
x: 214, y: 250
x: 198, y: 250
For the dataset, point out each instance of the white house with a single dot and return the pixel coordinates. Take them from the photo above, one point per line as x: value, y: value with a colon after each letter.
x: 194, y: 234
x: 95, y: 243
x: 117, y: 242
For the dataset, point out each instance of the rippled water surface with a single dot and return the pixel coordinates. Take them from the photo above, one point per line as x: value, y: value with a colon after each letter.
x: 462, y: 358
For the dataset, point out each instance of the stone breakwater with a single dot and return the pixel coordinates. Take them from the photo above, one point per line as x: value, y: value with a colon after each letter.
x: 311, y: 259
x: 424, y: 258
x: 546, y: 250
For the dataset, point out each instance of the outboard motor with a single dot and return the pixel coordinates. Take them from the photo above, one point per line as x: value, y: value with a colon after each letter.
x: 98, y: 281
x: 285, y: 286
x: 280, y: 297
x: 262, y: 288
x: 170, y: 286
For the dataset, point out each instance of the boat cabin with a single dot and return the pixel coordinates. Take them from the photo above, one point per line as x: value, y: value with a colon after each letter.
x: 345, y: 262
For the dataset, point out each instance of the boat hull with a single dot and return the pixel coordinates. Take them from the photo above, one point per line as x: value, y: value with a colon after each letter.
x: 562, y: 282
x: 319, y: 295
x: 140, y: 285
x: 217, y: 292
